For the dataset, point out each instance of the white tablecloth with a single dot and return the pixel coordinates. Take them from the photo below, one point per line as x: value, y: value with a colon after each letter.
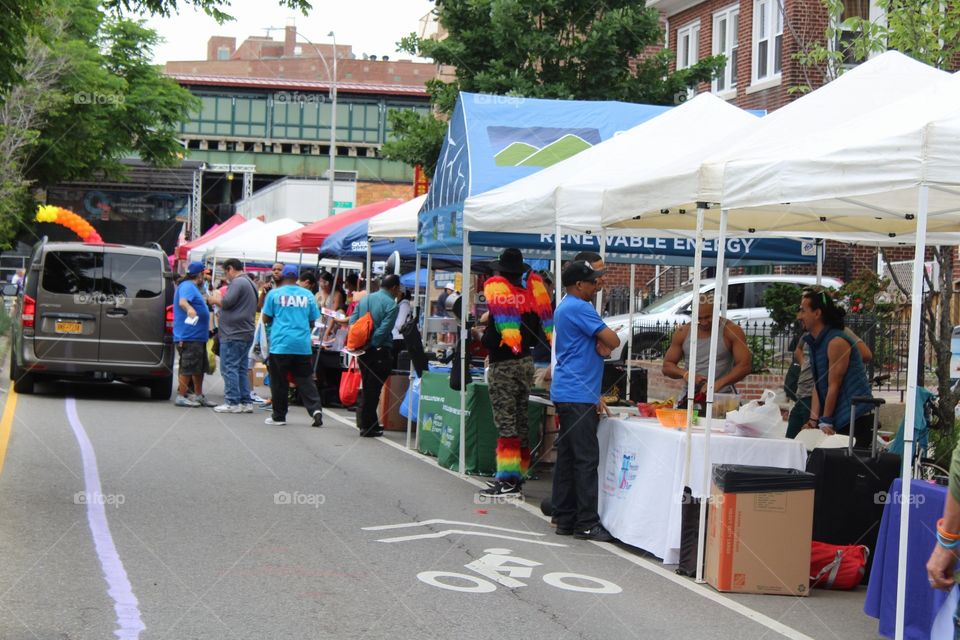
x: 641, y: 476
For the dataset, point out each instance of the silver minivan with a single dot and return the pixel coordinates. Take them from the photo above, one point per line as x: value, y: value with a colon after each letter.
x: 95, y: 312
x: 744, y: 306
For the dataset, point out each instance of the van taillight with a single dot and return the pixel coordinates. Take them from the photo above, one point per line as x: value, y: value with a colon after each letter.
x: 168, y: 328
x: 29, y: 312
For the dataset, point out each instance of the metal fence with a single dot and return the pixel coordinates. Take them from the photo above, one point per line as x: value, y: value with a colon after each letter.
x: 887, y: 338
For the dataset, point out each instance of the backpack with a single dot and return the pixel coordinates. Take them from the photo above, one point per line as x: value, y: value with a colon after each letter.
x: 837, y: 567
x: 791, y: 380
x: 360, y: 333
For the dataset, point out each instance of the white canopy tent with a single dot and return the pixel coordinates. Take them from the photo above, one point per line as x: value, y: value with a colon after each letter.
x: 198, y: 252
x: 874, y: 173
x: 398, y: 222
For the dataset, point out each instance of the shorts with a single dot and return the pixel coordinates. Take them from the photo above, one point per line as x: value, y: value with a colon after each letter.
x: 193, y: 357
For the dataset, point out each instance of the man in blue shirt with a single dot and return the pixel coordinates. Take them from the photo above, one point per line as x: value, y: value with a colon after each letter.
x: 191, y: 329
x: 376, y: 362
x: 582, y: 342
x: 289, y: 312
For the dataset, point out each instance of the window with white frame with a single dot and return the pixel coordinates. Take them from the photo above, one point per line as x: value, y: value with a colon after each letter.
x: 767, y: 39
x: 688, y: 45
x: 725, y: 44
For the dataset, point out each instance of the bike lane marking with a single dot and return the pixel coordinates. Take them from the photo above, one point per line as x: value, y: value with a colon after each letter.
x: 6, y: 424
x: 701, y: 590
x: 125, y: 603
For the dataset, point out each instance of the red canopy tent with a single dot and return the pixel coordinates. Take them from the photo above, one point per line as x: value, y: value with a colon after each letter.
x: 234, y: 221
x: 309, y: 238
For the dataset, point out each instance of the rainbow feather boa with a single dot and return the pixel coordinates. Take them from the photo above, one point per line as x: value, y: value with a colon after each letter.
x: 507, y: 303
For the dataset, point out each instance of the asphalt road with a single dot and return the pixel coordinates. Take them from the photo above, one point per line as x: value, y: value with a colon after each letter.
x: 218, y: 526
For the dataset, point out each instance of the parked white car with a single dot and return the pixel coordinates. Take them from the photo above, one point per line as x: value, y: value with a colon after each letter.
x: 744, y: 306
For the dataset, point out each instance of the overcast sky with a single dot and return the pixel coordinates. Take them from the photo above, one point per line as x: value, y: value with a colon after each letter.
x: 370, y: 26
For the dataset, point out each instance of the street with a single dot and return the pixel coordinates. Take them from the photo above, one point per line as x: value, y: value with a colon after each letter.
x: 127, y: 518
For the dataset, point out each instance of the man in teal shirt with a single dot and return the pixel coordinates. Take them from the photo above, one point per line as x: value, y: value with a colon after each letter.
x: 377, y: 358
x: 289, y: 312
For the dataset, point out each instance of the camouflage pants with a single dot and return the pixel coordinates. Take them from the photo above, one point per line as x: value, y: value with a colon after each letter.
x: 510, y: 383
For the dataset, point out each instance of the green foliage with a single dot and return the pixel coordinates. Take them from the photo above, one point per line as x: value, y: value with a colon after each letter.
x: 559, y: 49
x: 167, y: 8
x: 762, y: 352
x: 416, y: 139
x: 16, y: 22
x: 863, y: 294
x: 943, y: 441
x: 782, y: 300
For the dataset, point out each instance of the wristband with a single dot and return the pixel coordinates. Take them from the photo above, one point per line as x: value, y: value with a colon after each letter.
x: 826, y: 421
x: 944, y: 533
x: 686, y: 375
x: 947, y: 544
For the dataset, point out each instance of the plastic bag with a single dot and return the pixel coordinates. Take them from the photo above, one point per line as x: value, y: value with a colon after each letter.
x: 350, y: 384
x: 757, y: 418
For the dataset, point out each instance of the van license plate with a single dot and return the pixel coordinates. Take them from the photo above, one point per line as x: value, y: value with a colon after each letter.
x: 63, y: 326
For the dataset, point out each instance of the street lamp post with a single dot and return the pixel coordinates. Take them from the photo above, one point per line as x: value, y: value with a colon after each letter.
x: 332, y: 75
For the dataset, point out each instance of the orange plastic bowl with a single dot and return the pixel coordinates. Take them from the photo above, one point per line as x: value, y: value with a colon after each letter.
x: 674, y: 418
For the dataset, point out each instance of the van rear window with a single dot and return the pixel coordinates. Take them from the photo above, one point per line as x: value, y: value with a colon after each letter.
x: 72, y: 272
x: 133, y: 276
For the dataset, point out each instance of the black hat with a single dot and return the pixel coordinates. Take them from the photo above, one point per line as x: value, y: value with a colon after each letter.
x: 510, y: 261
x: 579, y: 271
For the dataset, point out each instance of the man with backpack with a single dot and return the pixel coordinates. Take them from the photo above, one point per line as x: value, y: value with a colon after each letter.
x: 289, y: 312
x: 371, y: 329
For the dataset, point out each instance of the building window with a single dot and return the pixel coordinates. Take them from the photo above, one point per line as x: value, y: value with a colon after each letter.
x: 767, y: 39
x: 688, y: 45
x: 223, y: 53
x: 846, y: 36
x: 725, y: 44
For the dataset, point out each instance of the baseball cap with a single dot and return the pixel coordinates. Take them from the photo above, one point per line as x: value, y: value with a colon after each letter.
x: 290, y: 271
x: 450, y: 286
x: 579, y: 271
x: 194, y: 268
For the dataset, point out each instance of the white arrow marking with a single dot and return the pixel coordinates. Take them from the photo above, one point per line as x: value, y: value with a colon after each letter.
x: 425, y: 523
x: 441, y: 534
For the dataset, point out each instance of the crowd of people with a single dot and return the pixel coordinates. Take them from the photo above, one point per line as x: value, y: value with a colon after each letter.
x: 279, y: 321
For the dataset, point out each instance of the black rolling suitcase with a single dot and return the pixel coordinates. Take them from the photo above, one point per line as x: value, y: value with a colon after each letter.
x: 851, y: 488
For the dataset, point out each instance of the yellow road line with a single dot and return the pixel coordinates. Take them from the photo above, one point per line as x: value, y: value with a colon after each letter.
x: 6, y: 422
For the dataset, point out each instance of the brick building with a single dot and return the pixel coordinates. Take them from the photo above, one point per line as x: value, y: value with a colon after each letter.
x: 267, y: 104
x: 759, y: 39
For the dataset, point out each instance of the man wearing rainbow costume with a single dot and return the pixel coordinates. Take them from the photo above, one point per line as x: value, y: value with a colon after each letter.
x: 519, y: 318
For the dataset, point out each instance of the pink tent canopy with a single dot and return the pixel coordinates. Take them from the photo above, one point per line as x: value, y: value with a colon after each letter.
x: 309, y: 238
x: 235, y: 221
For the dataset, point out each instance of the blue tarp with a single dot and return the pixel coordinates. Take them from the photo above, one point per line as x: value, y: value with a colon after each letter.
x: 494, y: 140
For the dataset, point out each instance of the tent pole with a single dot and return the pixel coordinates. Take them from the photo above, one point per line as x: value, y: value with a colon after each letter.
x: 716, y: 334
x: 464, y: 355
x: 369, y: 259
x: 633, y: 304
x: 820, y: 250
x: 416, y: 308
x: 603, y: 256
x: 692, y: 357
x: 913, y: 367
x: 557, y: 290
x: 426, y: 314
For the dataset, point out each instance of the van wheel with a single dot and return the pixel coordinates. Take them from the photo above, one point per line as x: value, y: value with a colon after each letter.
x: 22, y: 381
x: 161, y: 389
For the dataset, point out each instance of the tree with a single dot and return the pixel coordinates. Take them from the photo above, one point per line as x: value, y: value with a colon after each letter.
x: 561, y: 49
x: 88, y: 96
x: 929, y: 32
x: 166, y: 8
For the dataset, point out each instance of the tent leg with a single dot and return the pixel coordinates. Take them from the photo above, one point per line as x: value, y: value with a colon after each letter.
x: 603, y: 256
x: 416, y: 308
x: 369, y: 259
x: 715, y: 336
x: 913, y: 368
x: 692, y: 358
x: 426, y: 314
x: 464, y: 355
x: 633, y: 283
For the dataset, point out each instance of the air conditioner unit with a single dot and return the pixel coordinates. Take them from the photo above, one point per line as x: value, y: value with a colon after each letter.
x: 904, y: 275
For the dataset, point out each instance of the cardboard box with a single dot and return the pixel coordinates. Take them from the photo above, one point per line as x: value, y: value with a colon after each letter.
x: 259, y: 373
x: 390, y: 399
x: 759, y: 542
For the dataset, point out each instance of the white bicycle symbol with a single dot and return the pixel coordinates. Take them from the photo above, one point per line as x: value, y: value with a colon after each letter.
x: 499, y: 567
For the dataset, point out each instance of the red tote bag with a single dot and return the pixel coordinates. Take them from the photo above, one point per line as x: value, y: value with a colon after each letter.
x: 837, y: 567
x: 350, y: 384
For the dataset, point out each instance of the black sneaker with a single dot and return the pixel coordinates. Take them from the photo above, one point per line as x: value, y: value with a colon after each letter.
x: 597, y: 533
x: 373, y: 433
x: 564, y: 532
x: 317, y: 418
x: 502, y: 488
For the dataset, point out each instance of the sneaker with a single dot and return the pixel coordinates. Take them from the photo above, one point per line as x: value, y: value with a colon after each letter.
x: 317, y: 418
x: 202, y: 400
x: 561, y: 531
x: 228, y: 408
x: 246, y: 408
x: 597, y: 532
x: 274, y: 421
x: 502, y: 488
x: 374, y: 433
x: 183, y: 401
x: 266, y: 406
x: 255, y: 399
